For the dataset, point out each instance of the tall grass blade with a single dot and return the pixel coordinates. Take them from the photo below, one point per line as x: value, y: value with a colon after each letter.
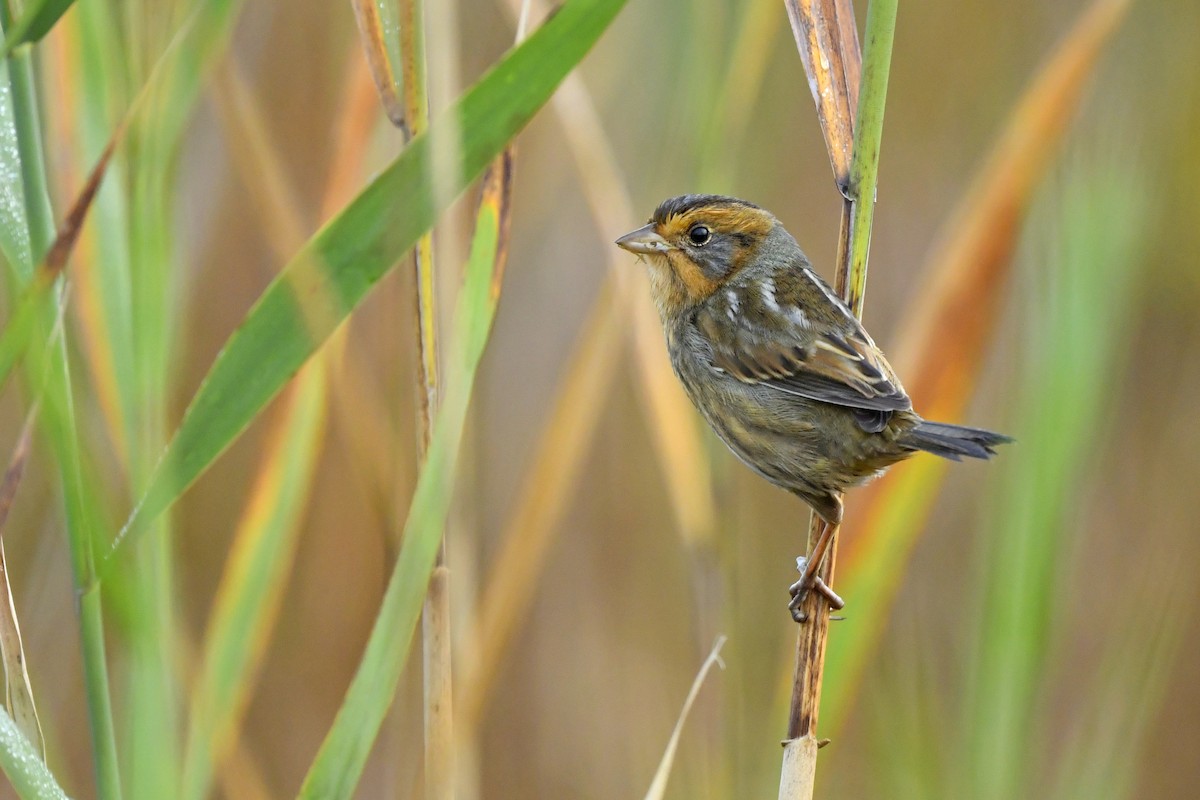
x: 103, y: 293
x: 25, y: 163
x: 670, y: 417
x: 172, y: 87
x: 361, y: 411
x: 752, y: 50
x: 127, y: 306
x: 36, y: 20
x: 905, y: 708
x: 129, y: 312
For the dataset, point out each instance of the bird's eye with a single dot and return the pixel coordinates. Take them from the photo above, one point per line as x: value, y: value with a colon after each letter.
x: 699, y: 235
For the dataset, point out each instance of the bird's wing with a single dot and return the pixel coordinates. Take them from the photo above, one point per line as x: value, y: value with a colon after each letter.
x: 791, y: 332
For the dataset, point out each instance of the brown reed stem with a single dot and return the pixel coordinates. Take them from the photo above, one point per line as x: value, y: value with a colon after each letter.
x: 435, y: 615
x: 800, y: 750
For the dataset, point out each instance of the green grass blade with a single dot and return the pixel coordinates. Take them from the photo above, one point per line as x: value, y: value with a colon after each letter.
x: 339, y: 763
x: 324, y: 282
x: 14, y: 228
x: 868, y: 138
x: 23, y: 766
x: 26, y: 161
x: 36, y: 21
x: 130, y: 320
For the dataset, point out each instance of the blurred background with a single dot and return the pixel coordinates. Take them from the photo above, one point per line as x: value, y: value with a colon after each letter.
x: 1041, y: 637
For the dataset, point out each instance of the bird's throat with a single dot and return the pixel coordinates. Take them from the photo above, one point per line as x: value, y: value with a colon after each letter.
x: 668, y: 291
x: 696, y: 285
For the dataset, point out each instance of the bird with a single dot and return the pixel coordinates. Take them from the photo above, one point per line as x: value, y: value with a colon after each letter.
x: 778, y: 365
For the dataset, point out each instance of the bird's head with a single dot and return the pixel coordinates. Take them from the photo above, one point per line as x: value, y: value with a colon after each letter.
x: 697, y: 242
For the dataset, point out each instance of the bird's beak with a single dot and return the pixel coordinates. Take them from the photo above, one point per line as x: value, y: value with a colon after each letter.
x: 644, y: 241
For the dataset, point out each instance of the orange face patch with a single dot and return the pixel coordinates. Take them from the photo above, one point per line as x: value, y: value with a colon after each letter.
x: 745, y: 227
x: 695, y: 282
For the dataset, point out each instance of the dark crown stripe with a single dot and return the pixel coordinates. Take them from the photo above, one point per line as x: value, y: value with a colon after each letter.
x: 687, y: 202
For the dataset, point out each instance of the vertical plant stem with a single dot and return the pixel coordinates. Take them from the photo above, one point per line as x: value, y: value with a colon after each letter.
x: 436, y: 662
x: 416, y: 105
x: 435, y: 614
x: 800, y: 750
x: 60, y: 421
x: 864, y: 166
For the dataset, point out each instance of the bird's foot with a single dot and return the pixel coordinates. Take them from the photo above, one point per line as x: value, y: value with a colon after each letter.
x: 810, y: 582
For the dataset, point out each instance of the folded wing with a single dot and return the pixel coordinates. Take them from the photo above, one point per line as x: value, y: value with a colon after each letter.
x: 780, y: 332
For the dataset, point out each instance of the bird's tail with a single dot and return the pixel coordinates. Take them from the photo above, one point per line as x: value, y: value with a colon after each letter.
x: 953, y: 441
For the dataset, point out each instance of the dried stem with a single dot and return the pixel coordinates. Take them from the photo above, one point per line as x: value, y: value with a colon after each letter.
x: 372, y: 32
x: 435, y: 616
x: 416, y: 105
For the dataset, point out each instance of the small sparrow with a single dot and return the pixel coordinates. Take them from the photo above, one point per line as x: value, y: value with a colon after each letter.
x: 776, y: 362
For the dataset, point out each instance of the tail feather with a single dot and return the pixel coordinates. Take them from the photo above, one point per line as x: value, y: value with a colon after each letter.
x: 954, y: 441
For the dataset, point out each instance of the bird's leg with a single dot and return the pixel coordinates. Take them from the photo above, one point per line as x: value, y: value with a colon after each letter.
x: 809, y: 580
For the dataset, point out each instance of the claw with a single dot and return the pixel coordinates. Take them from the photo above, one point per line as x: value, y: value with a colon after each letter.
x: 810, y: 581
x: 823, y: 589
